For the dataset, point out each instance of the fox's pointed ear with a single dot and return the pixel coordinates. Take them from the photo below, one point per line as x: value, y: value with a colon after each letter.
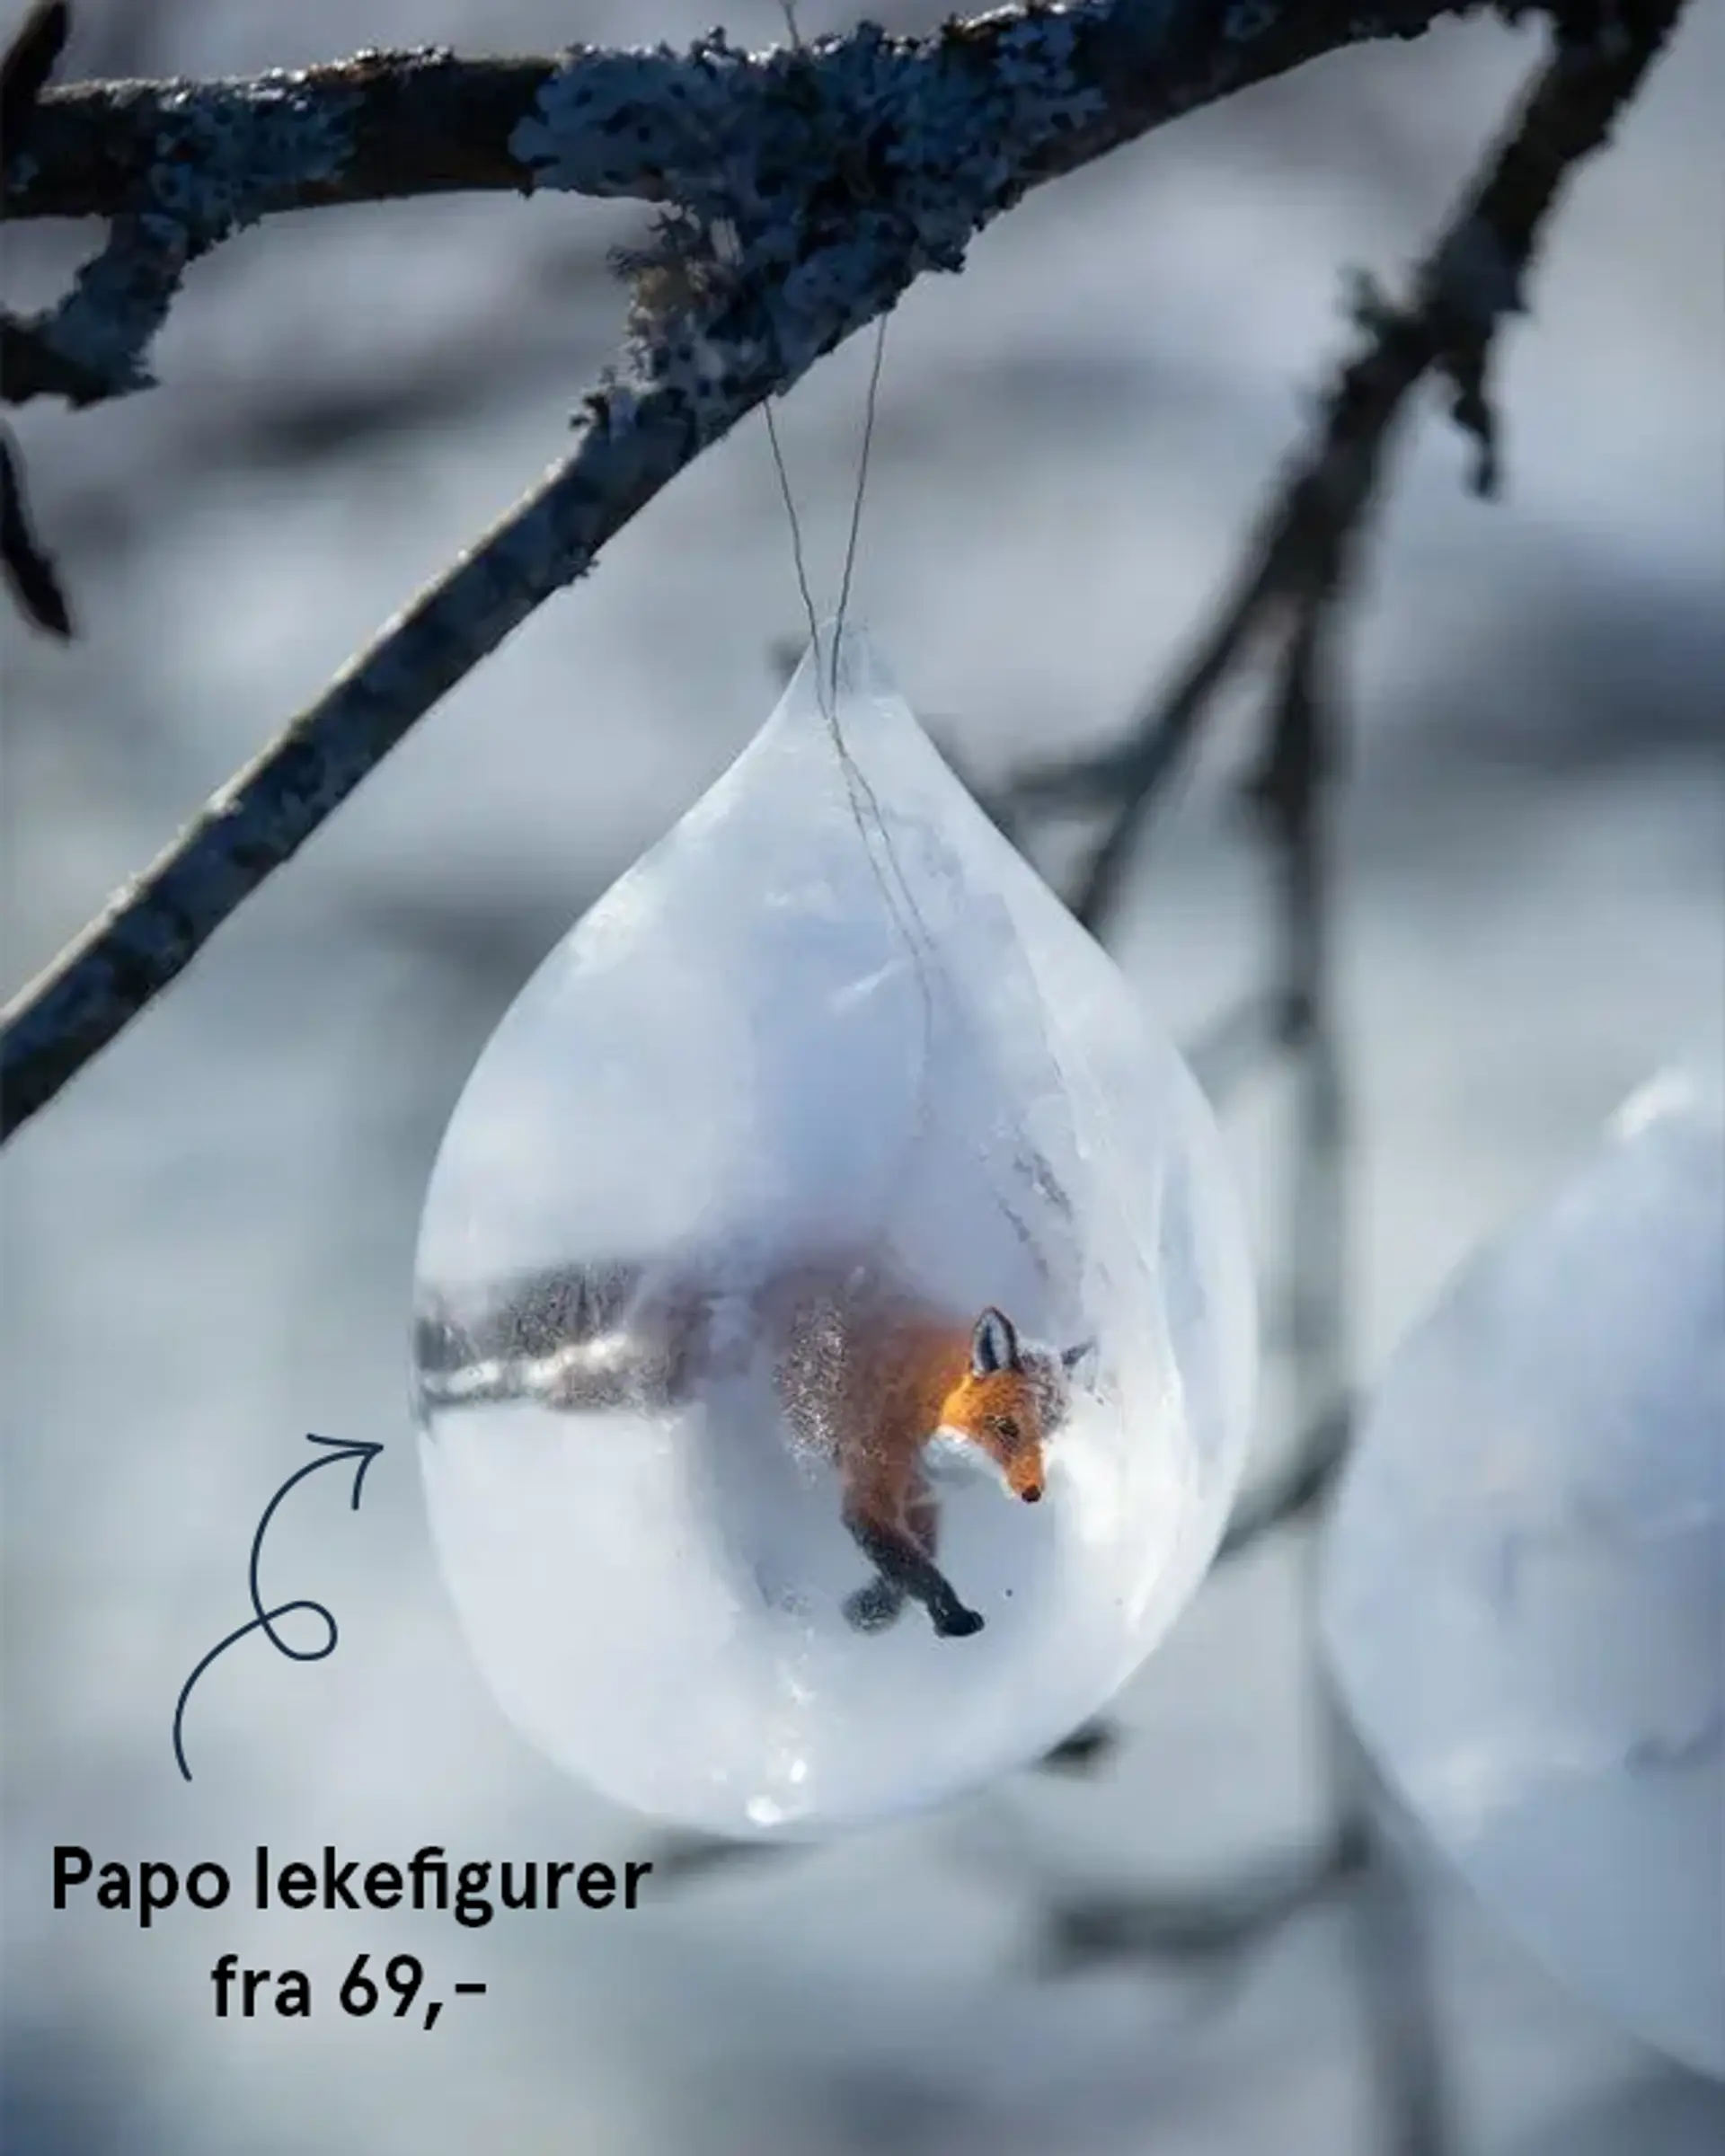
x: 993, y: 1344
x: 1080, y: 1357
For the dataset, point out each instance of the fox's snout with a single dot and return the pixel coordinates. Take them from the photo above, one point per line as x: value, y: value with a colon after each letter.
x: 1024, y: 1480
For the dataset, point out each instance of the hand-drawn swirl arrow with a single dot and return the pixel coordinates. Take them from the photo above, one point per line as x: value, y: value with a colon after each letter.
x: 265, y: 1620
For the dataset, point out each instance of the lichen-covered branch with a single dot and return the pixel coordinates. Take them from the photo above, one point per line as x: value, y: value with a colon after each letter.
x: 819, y: 158
x: 806, y: 189
x: 646, y: 123
x: 630, y: 444
x: 930, y: 137
x: 90, y: 347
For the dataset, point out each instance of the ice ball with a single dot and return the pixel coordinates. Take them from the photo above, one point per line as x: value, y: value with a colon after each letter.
x: 1525, y: 1592
x: 834, y: 1322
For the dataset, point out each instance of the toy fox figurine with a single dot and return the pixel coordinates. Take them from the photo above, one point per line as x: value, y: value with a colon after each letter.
x: 868, y: 1374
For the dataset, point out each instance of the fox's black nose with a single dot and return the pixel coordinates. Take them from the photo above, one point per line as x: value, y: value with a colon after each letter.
x: 1033, y: 1494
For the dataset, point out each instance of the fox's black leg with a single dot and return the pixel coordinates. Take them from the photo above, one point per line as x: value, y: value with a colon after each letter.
x: 874, y: 1606
x: 906, y: 1572
x: 879, y: 1604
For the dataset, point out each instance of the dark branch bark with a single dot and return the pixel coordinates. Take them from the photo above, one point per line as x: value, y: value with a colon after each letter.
x: 414, y: 123
x: 91, y: 346
x: 29, y: 567
x: 1473, y: 276
x: 824, y: 157
x: 1302, y: 569
x: 1294, y: 1491
x: 29, y: 59
x: 823, y: 245
x: 152, y: 929
x: 631, y: 123
x: 842, y: 171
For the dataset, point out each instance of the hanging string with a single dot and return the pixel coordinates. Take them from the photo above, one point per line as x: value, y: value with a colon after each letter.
x: 902, y: 906
x: 856, y: 780
x: 796, y: 534
x: 827, y: 693
x: 857, y: 786
x: 864, y: 806
x: 826, y: 677
x: 788, y: 8
x: 797, y: 554
x: 861, y: 484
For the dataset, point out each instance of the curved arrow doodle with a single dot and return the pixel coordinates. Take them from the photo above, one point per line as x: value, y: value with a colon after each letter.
x: 265, y: 1620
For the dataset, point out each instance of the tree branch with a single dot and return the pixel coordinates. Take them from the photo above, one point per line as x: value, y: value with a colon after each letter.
x: 29, y: 567
x: 384, y: 125
x: 28, y: 62
x: 1301, y: 1483
x: 1202, y: 1926
x: 818, y: 158
x: 828, y: 179
x: 29, y: 59
x: 630, y: 446
x: 1302, y: 569
x: 90, y: 347
x: 1473, y: 276
x: 398, y: 123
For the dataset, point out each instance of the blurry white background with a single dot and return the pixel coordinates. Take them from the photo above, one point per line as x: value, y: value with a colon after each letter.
x: 207, y: 1241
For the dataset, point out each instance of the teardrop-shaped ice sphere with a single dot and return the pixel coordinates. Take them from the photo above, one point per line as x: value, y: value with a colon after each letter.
x: 1524, y: 1578
x: 835, y: 1340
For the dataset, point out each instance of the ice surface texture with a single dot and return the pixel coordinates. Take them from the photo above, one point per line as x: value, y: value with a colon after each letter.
x: 825, y: 1077
x: 1524, y: 1595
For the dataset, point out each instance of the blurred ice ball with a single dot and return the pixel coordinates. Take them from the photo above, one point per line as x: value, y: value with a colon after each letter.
x: 1525, y: 1592
x: 823, y: 1081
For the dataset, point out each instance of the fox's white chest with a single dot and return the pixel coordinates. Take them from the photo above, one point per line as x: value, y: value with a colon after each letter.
x: 951, y: 1457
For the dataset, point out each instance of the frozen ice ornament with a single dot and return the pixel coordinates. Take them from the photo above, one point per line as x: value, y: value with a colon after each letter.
x: 834, y: 1329
x: 1525, y: 1590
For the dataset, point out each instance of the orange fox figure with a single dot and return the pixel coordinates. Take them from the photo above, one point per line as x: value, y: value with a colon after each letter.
x: 868, y: 1374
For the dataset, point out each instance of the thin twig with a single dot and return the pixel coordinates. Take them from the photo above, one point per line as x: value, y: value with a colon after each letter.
x: 29, y: 567
x: 682, y: 1860
x: 1200, y: 1926
x: 1236, y: 1045
x: 1065, y: 87
x: 1089, y: 1748
x: 154, y: 928
x: 1471, y: 280
x: 1294, y: 585
x: 1294, y: 1492
x: 1290, y: 792
x: 30, y: 60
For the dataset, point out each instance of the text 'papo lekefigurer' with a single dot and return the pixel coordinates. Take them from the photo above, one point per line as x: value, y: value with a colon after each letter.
x: 834, y: 1334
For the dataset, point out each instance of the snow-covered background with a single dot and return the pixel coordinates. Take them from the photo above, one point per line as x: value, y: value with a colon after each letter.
x: 207, y: 1241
